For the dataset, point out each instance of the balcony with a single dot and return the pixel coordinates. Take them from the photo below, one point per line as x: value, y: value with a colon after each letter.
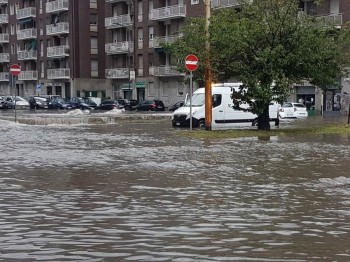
x: 117, y: 73
x: 118, y: 21
x: 28, y: 75
x: 334, y: 19
x: 119, y: 48
x: 4, y: 57
x: 114, y: 1
x: 3, y: 2
x: 58, y: 51
x: 167, y: 13
x: 57, y: 6
x: 4, y: 38
x: 225, y: 3
x: 27, y: 55
x: 57, y: 29
x: 30, y: 33
x: 164, y: 71
x: 157, y: 41
x: 29, y: 12
x: 4, y: 76
x: 4, y: 19
x: 58, y: 73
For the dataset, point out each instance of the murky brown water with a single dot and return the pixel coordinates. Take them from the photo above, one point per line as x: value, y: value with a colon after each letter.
x: 141, y: 192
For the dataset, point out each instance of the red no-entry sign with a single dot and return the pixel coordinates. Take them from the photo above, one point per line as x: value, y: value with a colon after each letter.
x: 191, y: 62
x: 15, y: 69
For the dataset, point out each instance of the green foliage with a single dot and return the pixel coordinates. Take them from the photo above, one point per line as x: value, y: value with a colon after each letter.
x: 268, y: 45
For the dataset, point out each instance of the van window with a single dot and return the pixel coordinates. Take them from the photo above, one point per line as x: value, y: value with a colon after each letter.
x: 197, y: 100
x: 216, y: 100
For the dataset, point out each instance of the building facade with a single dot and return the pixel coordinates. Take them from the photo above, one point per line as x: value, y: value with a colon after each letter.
x: 58, y: 44
x: 113, y: 48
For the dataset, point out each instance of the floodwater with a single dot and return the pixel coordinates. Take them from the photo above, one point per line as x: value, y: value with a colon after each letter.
x: 142, y: 192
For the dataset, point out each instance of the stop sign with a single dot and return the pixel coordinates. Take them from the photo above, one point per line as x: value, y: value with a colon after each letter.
x: 15, y: 69
x: 191, y: 62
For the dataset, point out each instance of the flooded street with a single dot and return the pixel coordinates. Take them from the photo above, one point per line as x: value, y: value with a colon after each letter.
x: 134, y: 191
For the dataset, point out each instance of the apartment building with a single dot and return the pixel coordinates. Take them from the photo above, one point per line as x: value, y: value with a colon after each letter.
x: 58, y: 44
x: 135, y: 31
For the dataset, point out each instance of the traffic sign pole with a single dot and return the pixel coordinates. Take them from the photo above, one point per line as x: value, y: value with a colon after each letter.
x: 191, y: 63
x: 15, y: 70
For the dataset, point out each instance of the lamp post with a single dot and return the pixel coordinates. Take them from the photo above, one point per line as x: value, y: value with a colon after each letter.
x: 207, y: 73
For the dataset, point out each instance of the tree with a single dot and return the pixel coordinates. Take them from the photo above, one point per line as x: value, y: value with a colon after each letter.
x: 269, y: 46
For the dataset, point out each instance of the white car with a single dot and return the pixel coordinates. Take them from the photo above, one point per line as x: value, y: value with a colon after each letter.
x: 292, y: 110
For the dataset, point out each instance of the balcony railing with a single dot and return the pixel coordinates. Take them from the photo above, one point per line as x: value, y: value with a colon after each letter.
x: 4, y: 57
x: 157, y: 41
x: 4, y: 18
x: 164, y: 71
x: 4, y: 76
x: 167, y: 13
x: 58, y: 73
x: 27, y: 55
x: 114, y: 1
x: 28, y: 12
x: 28, y: 75
x: 58, y: 51
x: 27, y: 34
x: 56, y: 29
x: 2, y: 2
x: 117, y: 73
x: 57, y: 6
x: 225, y: 3
x: 119, y: 48
x: 4, y: 38
x: 334, y: 19
x: 118, y: 21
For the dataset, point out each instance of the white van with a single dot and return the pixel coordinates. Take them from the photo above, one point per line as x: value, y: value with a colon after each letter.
x: 223, y: 115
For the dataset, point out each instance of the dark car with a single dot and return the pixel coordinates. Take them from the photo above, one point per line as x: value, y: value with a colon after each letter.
x: 124, y: 103
x: 83, y: 103
x: 176, y: 105
x: 133, y: 103
x: 3, y: 103
x: 60, y: 103
x: 37, y: 102
x: 109, y: 105
x: 151, y: 105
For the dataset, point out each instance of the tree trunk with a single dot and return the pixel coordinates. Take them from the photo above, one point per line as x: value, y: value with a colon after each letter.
x: 264, y: 119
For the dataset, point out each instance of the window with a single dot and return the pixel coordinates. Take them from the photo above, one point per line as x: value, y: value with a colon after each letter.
x: 93, y: 42
x: 12, y: 9
x: 216, y: 100
x: 180, y: 88
x: 41, y: 48
x: 151, y: 91
x: 13, y: 49
x: 150, y: 33
x: 165, y: 88
x: 42, y: 69
x: 12, y: 29
x: 94, y: 68
x: 194, y: 2
x: 93, y: 19
x: 140, y: 11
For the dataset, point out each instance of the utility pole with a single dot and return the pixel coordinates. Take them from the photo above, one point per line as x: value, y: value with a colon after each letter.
x: 207, y: 73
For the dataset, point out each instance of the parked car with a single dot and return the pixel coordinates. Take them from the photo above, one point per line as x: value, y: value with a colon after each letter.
x: 176, y: 105
x: 133, y: 103
x: 125, y: 103
x: 60, y: 103
x: 293, y: 110
x: 3, y: 103
x: 17, y: 101
x: 37, y: 102
x: 83, y: 103
x: 110, y: 104
x: 151, y: 105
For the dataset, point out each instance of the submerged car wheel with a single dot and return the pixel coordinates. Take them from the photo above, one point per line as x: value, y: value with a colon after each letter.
x: 201, y: 124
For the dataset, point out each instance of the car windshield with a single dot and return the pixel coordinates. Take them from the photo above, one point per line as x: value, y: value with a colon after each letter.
x: 108, y: 102
x: 42, y: 99
x: 287, y: 105
x: 197, y: 100
x: 87, y: 100
x: 62, y: 100
x: 299, y: 105
x: 148, y: 102
x: 18, y: 98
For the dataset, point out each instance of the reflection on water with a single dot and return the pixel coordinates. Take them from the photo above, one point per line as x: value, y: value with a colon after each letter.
x: 137, y: 192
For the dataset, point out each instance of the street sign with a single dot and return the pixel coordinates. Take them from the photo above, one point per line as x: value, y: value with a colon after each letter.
x: 15, y: 69
x: 191, y: 62
x: 38, y: 88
